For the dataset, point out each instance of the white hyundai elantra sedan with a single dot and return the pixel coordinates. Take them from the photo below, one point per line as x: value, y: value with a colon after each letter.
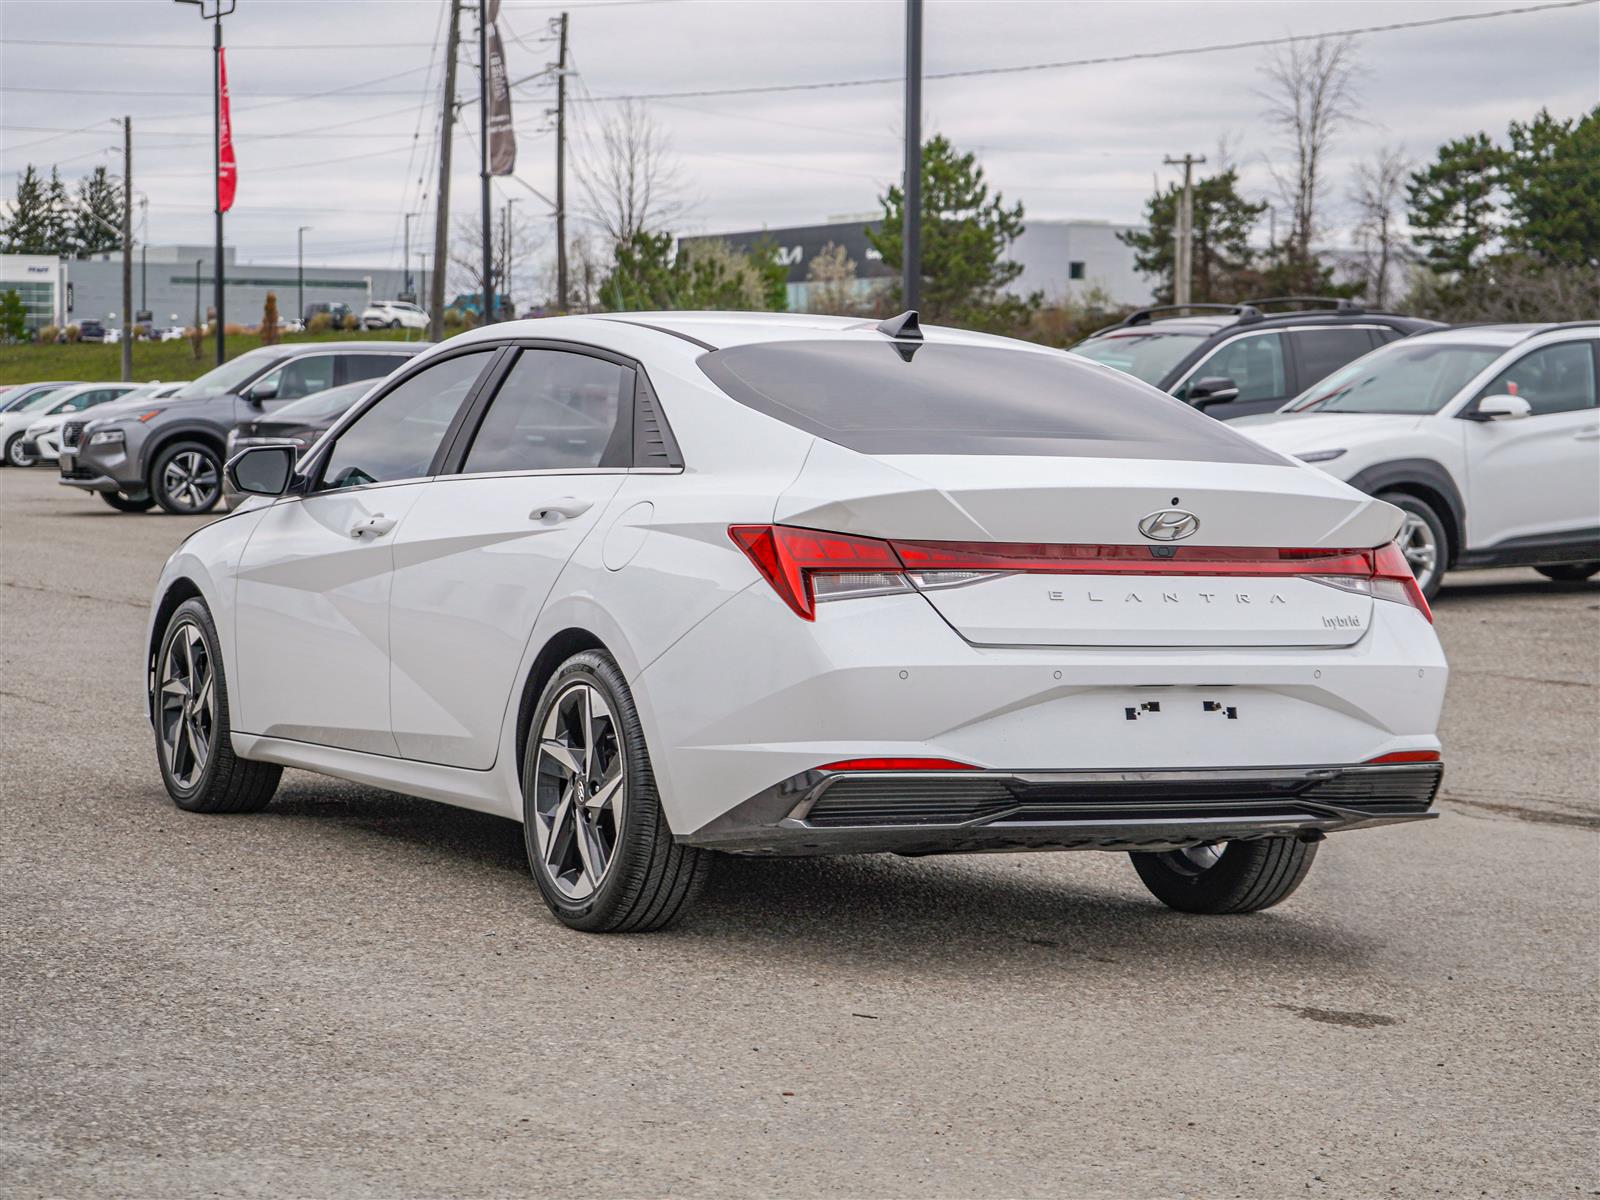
x: 664, y: 585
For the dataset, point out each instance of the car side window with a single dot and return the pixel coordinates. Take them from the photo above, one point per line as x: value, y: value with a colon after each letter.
x: 357, y: 367
x: 1255, y: 363
x: 1553, y: 379
x: 1321, y: 352
x: 556, y: 411
x: 399, y: 435
x: 302, y: 376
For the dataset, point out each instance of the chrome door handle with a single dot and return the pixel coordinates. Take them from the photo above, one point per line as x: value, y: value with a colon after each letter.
x: 563, y: 509
x: 1592, y: 435
x: 374, y: 526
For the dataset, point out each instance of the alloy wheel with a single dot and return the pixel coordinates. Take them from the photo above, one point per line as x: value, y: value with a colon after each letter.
x: 1420, y: 547
x: 16, y: 454
x: 186, y: 706
x: 579, y: 790
x: 190, y: 480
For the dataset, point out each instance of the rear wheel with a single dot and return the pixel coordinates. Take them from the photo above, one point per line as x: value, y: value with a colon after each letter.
x: 1422, y: 539
x: 598, y: 843
x: 190, y: 705
x: 16, y: 456
x: 1569, y: 572
x: 143, y: 503
x: 395, y: 324
x: 1226, y: 877
x: 187, y: 478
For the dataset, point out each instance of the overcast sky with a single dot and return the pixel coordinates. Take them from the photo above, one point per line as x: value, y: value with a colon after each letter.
x: 1081, y: 142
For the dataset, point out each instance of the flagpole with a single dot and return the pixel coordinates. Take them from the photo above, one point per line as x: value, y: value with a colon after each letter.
x: 216, y: 119
x: 484, y: 218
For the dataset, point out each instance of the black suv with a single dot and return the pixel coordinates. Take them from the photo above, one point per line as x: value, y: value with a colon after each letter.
x: 1236, y: 360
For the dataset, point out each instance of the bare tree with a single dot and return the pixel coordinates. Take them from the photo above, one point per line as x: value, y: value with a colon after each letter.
x: 1310, y: 96
x: 629, y: 179
x: 832, y: 276
x: 1379, y: 197
x: 466, y: 253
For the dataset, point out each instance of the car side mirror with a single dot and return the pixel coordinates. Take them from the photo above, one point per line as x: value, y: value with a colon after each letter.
x: 1502, y: 408
x: 1215, y: 389
x: 263, y: 389
x: 262, y: 470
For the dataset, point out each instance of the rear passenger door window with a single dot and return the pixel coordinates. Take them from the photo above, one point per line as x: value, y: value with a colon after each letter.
x: 398, y: 436
x: 556, y: 411
x: 302, y: 376
x: 1321, y: 352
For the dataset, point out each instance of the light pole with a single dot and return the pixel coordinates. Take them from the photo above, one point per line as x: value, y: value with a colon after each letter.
x: 407, y: 272
x: 505, y: 269
x: 218, y: 11
x: 201, y: 328
x: 911, y: 221
x: 485, y: 217
x: 300, y: 267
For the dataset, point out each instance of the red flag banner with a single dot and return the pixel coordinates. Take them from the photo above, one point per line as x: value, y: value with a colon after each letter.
x: 227, y: 169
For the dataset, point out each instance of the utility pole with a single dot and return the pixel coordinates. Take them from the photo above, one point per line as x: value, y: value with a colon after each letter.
x: 441, y: 203
x: 505, y: 271
x: 485, y: 217
x: 127, y: 249
x: 911, y: 225
x: 216, y: 165
x: 410, y: 291
x: 300, y: 269
x: 561, y: 170
x: 200, y: 329
x: 1183, y: 248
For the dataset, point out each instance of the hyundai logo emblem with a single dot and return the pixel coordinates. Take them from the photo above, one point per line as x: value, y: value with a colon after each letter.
x: 1169, y: 525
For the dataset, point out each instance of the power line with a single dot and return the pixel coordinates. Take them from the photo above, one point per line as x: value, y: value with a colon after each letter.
x: 245, y: 48
x: 1101, y: 60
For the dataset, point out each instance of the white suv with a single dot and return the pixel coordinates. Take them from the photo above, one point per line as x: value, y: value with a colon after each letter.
x: 1488, y: 437
x: 393, y: 314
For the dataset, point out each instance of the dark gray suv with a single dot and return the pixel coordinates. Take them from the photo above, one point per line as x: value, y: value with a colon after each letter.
x: 170, y: 452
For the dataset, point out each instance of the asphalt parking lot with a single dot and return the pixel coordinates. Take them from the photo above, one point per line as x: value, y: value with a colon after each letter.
x: 359, y: 994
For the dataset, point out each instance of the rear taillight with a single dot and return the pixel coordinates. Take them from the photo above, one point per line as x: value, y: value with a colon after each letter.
x: 1406, y: 756
x: 808, y: 566
x: 805, y: 566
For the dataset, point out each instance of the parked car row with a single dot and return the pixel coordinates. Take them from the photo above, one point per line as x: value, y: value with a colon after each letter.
x: 1487, y: 437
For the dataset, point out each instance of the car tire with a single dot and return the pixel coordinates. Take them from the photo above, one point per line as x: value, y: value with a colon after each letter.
x: 1226, y: 877
x: 189, y: 701
x: 395, y: 324
x: 15, y: 455
x: 127, y: 504
x: 1422, y: 539
x: 186, y: 479
x: 598, y: 870
x: 1569, y: 572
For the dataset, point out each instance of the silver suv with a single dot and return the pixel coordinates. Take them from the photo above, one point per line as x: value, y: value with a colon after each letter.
x: 170, y: 452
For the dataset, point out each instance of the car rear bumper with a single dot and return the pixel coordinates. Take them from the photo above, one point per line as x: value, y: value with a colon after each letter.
x: 934, y: 812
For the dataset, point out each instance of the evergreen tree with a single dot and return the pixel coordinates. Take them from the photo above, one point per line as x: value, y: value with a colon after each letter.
x: 58, y: 216
x: 1452, y: 203
x: 13, y: 317
x: 1223, y: 221
x: 703, y: 275
x: 100, y: 194
x: 1551, y: 175
x: 27, y: 225
x: 965, y: 234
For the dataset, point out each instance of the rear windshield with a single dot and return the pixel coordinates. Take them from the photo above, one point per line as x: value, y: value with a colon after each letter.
x: 937, y: 398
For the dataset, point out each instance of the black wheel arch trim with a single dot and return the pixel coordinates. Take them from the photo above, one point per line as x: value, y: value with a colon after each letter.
x: 187, y: 432
x: 1402, y: 474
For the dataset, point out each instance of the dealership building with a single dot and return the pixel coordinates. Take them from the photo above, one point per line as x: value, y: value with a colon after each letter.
x: 1063, y: 259
x: 59, y: 291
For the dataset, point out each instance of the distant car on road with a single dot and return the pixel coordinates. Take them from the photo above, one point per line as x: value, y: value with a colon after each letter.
x: 172, y: 333
x: 1488, y: 437
x: 91, y: 331
x: 336, y: 313
x: 172, y: 454
x: 70, y: 400
x: 393, y: 314
x: 1237, y: 360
